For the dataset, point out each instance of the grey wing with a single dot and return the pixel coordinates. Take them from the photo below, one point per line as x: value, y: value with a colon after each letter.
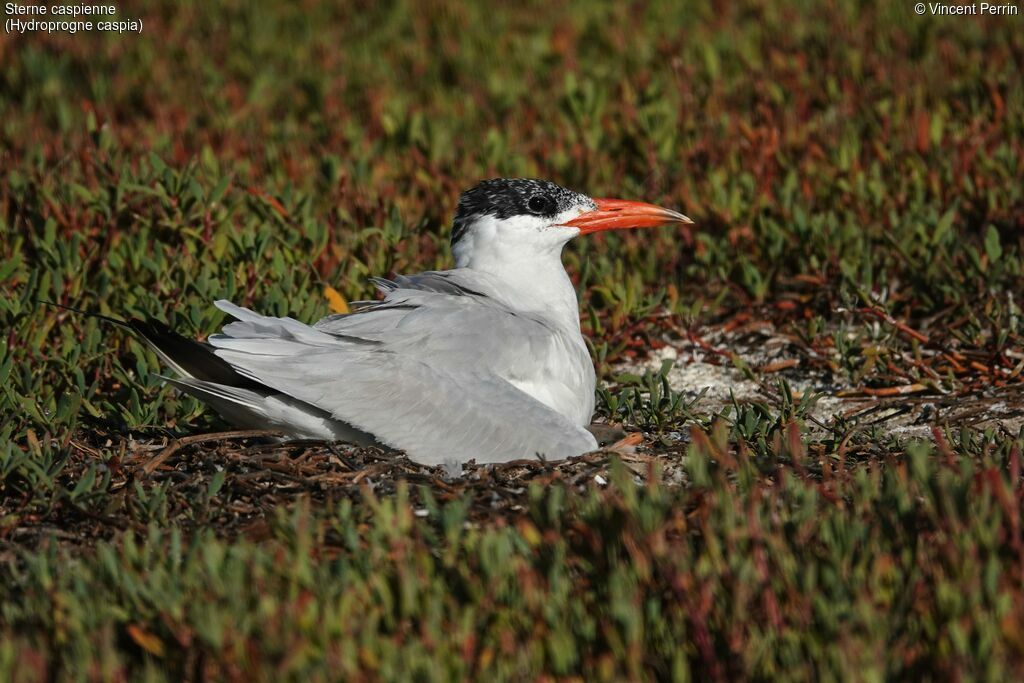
x: 434, y: 410
x: 435, y: 282
x: 438, y: 317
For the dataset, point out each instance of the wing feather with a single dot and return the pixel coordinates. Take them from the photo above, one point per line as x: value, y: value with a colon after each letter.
x: 406, y: 404
x: 422, y: 386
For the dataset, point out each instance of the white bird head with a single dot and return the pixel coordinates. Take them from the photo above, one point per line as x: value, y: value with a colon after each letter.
x: 508, y: 220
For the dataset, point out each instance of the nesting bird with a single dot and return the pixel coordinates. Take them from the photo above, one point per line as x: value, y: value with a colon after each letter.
x: 482, y: 362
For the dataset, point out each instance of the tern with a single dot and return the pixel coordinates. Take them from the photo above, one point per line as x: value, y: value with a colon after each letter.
x: 482, y: 362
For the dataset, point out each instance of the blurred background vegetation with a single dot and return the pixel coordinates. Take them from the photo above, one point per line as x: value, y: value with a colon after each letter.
x: 834, y: 155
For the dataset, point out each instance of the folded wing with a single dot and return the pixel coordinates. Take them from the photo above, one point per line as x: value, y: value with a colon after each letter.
x: 408, y: 371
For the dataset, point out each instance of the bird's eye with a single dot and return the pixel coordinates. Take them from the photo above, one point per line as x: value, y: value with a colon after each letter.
x: 538, y: 204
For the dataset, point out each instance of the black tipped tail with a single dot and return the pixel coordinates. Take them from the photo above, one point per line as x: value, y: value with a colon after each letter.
x: 187, y: 357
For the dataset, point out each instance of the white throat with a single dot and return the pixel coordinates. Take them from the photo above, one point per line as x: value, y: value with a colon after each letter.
x: 526, y: 260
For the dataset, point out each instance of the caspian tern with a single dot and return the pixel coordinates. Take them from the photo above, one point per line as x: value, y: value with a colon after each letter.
x: 483, y: 362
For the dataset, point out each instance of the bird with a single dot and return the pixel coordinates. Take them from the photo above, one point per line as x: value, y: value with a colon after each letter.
x: 484, y: 362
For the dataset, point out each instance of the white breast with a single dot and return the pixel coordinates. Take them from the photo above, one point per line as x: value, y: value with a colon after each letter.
x: 563, y: 380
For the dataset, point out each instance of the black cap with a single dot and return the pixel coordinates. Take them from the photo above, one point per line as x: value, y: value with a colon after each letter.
x: 507, y: 197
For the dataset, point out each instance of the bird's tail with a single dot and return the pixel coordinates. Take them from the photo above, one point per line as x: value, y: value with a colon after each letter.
x: 189, y: 358
x: 240, y: 400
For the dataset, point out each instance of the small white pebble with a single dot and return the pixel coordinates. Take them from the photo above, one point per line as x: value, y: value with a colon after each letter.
x: 601, y: 481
